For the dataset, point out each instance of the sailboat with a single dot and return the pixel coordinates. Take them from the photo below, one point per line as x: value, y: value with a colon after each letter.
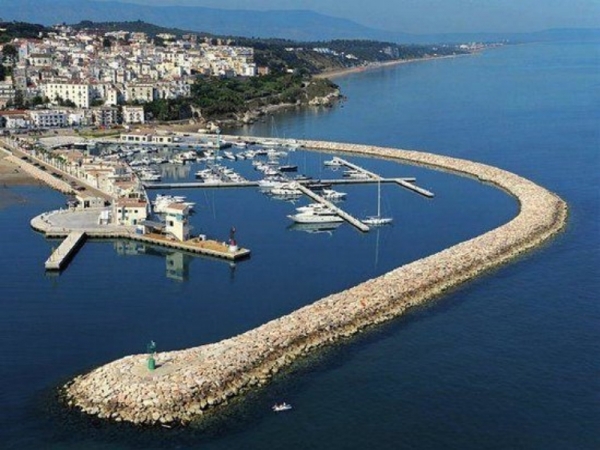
x: 378, y: 219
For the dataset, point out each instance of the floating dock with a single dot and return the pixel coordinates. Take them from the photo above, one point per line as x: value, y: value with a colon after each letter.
x: 200, y: 184
x: 65, y: 251
x: 413, y: 187
x: 405, y: 181
x: 360, y: 169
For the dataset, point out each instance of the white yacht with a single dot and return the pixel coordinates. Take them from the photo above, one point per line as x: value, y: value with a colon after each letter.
x: 334, y: 162
x: 312, y: 207
x: 331, y: 194
x: 316, y: 216
x: 162, y: 202
x: 286, y: 189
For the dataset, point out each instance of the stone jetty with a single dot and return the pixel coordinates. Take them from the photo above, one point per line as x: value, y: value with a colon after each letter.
x: 188, y: 383
x: 42, y: 175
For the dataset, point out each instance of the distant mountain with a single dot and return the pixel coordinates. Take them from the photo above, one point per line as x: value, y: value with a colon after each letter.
x: 293, y: 25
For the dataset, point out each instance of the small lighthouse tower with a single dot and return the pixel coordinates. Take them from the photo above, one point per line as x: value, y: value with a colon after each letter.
x: 233, y: 247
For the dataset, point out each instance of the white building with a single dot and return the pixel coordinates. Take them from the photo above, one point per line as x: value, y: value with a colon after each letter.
x: 49, y: 119
x: 177, y: 221
x: 129, y: 211
x: 7, y: 93
x: 78, y: 93
x: 14, y: 120
x: 140, y: 92
x: 133, y: 114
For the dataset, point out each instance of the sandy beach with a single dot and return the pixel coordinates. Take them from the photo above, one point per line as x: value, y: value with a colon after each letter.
x: 11, y: 175
x: 373, y: 66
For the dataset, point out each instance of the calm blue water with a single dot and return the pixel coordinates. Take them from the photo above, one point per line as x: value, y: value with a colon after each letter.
x: 511, y: 360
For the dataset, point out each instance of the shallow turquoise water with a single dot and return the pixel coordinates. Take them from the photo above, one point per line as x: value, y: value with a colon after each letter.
x: 509, y: 360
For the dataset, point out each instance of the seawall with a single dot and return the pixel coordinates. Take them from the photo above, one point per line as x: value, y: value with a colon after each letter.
x: 189, y: 382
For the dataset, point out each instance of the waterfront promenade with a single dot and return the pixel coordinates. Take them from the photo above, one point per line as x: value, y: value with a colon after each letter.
x: 188, y: 383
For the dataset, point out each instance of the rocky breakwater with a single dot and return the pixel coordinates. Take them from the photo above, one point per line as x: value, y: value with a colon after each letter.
x: 187, y: 383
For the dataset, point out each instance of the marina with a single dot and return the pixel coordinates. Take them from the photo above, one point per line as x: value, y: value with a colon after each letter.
x: 119, y: 190
x: 231, y: 367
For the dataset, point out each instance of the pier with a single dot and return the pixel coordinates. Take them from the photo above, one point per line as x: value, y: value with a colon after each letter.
x: 65, y: 251
x: 406, y: 182
x: 358, y: 168
x: 340, y: 212
x: 207, y: 247
x: 77, y: 226
x: 413, y: 187
x: 200, y: 184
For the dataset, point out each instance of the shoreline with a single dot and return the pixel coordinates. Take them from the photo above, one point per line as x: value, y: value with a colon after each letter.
x: 374, y: 66
x: 13, y: 175
x: 189, y: 383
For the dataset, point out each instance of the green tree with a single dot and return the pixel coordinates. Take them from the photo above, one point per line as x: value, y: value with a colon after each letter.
x: 19, y: 101
x: 10, y: 54
x: 38, y: 100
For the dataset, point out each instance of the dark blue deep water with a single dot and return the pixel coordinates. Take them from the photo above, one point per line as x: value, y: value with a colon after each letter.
x: 510, y: 360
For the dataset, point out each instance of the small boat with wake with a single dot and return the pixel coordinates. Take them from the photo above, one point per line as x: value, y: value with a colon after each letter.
x: 279, y: 407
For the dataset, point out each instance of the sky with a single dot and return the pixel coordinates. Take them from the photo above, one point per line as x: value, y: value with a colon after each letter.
x: 431, y: 16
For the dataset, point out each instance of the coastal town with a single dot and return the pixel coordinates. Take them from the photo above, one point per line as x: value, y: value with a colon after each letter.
x: 90, y: 78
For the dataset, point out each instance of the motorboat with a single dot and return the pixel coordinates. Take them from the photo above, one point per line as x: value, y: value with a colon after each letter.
x: 316, y: 185
x: 149, y: 175
x: 272, y: 182
x: 334, y: 162
x: 316, y: 216
x: 312, y: 207
x: 355, y: 174
x: 290, y: 188
x: 229, y: 155
x: 278, y: 407
x: 331, y: 194
x: 315, y: 228
x: 162, y: 202
x: 288, y: 168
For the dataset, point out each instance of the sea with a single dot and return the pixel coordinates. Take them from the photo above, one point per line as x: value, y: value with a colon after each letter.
x: 508, y: 360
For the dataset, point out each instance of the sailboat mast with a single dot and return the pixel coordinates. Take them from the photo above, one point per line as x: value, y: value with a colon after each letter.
x: 378, y: 198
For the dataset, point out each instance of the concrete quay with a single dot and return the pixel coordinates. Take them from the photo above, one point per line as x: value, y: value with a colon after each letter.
x: 188, y: 383
x: 67, y: 223
x: 65, y: 251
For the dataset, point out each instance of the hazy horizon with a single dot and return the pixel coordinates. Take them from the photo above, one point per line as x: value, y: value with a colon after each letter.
x: 429, y: 16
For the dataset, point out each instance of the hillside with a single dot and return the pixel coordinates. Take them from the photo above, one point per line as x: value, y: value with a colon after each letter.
x: 283, y: 54
x: 11, y: 30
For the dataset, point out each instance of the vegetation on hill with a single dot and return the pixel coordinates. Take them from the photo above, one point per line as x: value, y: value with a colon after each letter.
x: 317, y: 57
x: 136, y: 26
x: 11, y: 30
x: 230, y: 99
